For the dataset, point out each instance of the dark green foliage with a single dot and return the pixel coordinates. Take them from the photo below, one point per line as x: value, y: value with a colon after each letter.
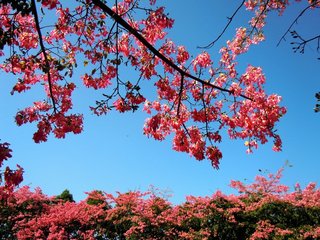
x: 20, y: 6
x: 285, y: 215
x: 317, y: 108
x: 6, y: 223
x: 65, y: 196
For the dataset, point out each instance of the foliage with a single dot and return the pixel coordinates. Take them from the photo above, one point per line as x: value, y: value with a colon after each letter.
x: 262, y: 210
x: 65, y: 196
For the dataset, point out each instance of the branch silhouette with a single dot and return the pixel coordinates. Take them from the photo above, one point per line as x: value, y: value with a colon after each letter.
x: 46, y: 69
x: 230, y: 19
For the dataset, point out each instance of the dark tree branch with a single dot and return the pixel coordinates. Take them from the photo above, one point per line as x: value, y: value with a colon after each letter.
x: 230, y: 19
x: 46, y: 69
x: 296, y: 20
x: 302, y: 44
x: 180, y: 94
x: 135, y: 33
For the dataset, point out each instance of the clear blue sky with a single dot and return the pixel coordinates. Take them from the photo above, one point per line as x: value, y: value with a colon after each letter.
x: 112, y: 154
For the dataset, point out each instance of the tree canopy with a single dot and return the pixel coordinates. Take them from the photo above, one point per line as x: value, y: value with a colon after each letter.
x: 196, y: 99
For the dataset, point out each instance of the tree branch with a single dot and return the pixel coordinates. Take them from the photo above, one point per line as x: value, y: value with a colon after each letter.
x: 135, y: 33
x: 225, y: 28
x: 301, y: 45
x: 43, y: 50
x: 296, y: 21
x: 180, y: 95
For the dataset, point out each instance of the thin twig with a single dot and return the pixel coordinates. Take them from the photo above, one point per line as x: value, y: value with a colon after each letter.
x: 296, y: 21
x: 301, y: 45
x: 225, y: 28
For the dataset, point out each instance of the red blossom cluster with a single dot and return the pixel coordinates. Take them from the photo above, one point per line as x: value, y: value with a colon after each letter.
x: 9, y: 179
x: 264, y: 209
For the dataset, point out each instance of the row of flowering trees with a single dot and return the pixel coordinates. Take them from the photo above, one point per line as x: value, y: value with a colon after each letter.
x: 262, y: 210
x: 265, y: 209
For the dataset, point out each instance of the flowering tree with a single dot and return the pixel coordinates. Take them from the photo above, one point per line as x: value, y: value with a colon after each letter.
x: 264, y: 209
x: 196, y: 99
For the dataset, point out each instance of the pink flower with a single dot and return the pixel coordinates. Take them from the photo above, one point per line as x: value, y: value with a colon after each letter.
x: 202, y: 60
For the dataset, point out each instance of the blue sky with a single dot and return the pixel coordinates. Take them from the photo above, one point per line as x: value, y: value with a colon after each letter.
x: 112, y: 154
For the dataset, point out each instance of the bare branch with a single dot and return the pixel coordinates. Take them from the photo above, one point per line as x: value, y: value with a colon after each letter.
x: 314, y: 4
x: 230, y: 19
x: 300, y: 46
